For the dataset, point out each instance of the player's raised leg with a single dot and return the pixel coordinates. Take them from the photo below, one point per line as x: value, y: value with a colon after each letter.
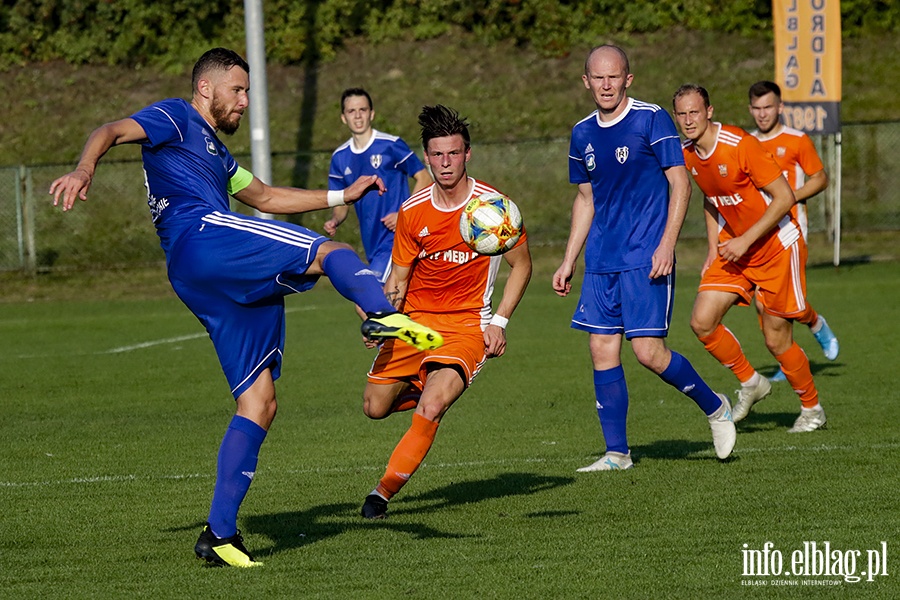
x: 356, y: 282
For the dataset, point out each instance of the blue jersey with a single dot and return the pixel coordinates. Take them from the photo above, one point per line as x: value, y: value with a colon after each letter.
x: 231, y: 270
x: 186, y: 167
x: 390, y: 158
x: 624, y: 161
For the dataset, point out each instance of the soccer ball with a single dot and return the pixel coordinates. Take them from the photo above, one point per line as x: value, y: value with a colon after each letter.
x: 490, y: 224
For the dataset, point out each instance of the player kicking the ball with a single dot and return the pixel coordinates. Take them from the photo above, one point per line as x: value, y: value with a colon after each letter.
x: 233, y: 271
x: 443, y: 284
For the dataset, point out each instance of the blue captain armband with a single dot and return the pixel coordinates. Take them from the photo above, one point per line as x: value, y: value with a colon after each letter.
x: 241, y: 179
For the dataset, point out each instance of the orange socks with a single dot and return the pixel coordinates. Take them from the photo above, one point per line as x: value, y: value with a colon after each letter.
x: 795, y: 365
x: 407, y: 456
x: 809, y: 316
x: 722, y: 344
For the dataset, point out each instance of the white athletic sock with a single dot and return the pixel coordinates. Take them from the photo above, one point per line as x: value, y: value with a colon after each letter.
x: 752, y: 382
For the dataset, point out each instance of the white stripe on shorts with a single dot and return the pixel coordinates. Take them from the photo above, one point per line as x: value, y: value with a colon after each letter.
x: 272, y: 231
x: 796, y: 268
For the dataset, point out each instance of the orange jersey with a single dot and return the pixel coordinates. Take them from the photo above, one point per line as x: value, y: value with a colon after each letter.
x: 731, y: 178
x: 795, y: 153
x: 447, y: 276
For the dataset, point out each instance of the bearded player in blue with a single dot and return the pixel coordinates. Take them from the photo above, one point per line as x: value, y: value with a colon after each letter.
x: 372, y: 152
x: 633, y: 193
x: 231, y: 270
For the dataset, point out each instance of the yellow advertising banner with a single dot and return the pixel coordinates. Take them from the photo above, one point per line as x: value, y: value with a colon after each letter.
x: 808, y: 63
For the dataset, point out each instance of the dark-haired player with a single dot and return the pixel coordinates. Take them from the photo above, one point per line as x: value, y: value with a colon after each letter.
x: 372, y: 152
x: 800, y: 163
x: 231, y: 270
x: 443, y: 284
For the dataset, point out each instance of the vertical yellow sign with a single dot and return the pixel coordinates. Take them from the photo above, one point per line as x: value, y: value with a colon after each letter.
x: 808, y: 63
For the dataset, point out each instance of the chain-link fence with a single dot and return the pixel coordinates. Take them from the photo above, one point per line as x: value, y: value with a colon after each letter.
x: 114, y: 228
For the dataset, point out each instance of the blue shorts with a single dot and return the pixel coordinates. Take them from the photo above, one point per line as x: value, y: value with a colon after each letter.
x: 380, y: 264
x: 626, y: 302
x: 233, y: 271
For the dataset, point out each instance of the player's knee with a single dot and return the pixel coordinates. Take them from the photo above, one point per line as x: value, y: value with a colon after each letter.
x: 330, y: 246
x: 702, y: 327
x: 651, y: 353
x: 271, y: 409
x: 375, y: 406
x: 433, y: 411
x: 778, y: 344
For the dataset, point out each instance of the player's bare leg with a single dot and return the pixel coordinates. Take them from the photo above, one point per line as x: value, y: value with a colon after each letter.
x: 442, y: 388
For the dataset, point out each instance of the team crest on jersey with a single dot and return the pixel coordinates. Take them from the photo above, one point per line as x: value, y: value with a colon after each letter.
x: 622, y: 154
x: 375, y: 160
x: 211, y: 147
x: 723, y: 170
x: 589, y: 162
x: 780, y: 151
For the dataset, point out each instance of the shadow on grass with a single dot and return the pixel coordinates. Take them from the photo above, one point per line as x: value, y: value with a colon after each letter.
x: 294, y: 529
x: 818, y: 368
x: 756, y: 422
x: 673, y: 450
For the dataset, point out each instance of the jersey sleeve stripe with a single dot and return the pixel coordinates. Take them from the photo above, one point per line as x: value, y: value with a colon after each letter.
x: 668, y: 137
x: 174, y: 124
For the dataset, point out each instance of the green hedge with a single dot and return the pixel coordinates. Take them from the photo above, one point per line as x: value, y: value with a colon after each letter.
x: 174, y: 33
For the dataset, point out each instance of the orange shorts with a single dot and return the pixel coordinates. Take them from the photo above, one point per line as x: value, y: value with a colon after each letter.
x: 463, y: 347
x: 780, y: 284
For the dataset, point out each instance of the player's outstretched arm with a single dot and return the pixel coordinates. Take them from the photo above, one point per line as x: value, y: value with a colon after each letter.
x: 289, y: 200
x: 519, y: 260
x: 75, y: 185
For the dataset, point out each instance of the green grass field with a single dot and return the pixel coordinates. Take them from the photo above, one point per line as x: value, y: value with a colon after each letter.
x: 112, y: 411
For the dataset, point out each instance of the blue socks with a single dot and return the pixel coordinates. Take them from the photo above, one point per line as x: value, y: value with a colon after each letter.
x: 612, y: 407
x: 682, y: 376
x: 238, y: 456
x: 354, y: 281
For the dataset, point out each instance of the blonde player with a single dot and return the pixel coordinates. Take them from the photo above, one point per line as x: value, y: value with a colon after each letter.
x: 796, y: 155
x: 437, y: 278
x: 754, y: 244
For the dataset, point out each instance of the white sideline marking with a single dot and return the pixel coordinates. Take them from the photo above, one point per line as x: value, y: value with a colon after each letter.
x: 456, y: 465
x: 172, y: 340
x: 151, y: 343
x: 182, y: 338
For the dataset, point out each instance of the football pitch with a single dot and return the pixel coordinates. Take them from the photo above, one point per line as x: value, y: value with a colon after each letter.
x: 112, y: 414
